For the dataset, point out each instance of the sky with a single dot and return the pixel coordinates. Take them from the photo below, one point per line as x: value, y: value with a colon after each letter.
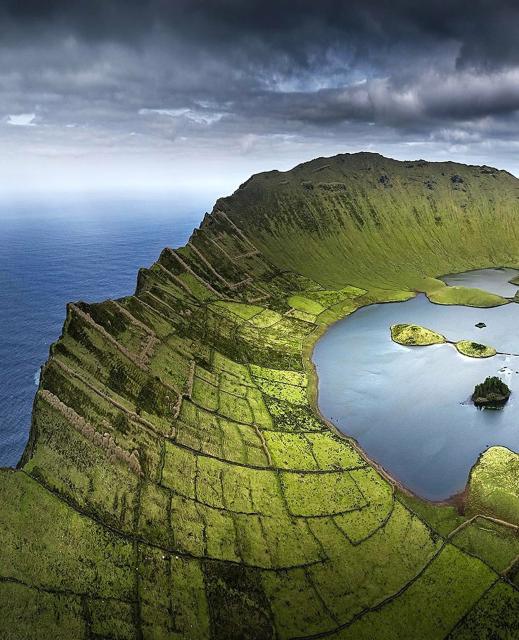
x: 192, y: 95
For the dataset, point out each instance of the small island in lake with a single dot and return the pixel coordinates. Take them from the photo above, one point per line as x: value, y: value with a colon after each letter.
x: 414, y: 335
x: 491, y: 394
x: 475, y: 349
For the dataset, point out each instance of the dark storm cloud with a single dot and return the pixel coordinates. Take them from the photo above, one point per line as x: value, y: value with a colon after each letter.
x: 299, y: 29
x: 141, y: 77
x: 264, y: 45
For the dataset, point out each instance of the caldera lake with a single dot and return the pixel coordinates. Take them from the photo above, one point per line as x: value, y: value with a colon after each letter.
x: 409, y: 408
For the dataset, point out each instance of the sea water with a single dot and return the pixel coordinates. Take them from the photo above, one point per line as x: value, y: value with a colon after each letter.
x: 63, y: 250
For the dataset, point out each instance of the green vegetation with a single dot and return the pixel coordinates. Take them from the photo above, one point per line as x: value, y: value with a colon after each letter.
x: 466, y: 296
x: 494, y: 616
x: 491, y: 394
x: 414, y: 335
x: 493, y: 487
x: 179, y: 482
x: 475, y: 349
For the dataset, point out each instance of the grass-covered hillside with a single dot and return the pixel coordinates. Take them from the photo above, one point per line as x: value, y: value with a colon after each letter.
x: 179, y: 481
x: 365, y: 219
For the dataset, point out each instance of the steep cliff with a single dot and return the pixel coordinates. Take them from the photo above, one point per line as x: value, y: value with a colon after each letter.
x: 178, y: 481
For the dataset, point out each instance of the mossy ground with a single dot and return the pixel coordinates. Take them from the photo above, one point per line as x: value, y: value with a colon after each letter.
x: 493, y: 485
x: 466, y: 296
x: 179, y: 482
x: 475, y: 349
x: 414, y: 335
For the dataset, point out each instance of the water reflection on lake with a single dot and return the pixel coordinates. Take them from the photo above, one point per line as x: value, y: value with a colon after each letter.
x: 407, y: 406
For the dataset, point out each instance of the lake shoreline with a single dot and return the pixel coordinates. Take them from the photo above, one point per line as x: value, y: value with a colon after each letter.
x: 456, y: 497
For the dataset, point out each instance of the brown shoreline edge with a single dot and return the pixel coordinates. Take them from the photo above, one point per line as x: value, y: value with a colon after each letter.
x: 457, y: 499
x: 313, y: 394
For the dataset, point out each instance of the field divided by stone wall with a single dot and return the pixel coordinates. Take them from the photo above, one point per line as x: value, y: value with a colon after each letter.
x: 179, y: 481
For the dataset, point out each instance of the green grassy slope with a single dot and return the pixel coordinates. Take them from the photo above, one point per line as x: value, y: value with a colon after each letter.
x: 365, y: 219
x: 179, y: 482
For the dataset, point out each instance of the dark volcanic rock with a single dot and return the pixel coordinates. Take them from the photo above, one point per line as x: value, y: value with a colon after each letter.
x: 491, y: 394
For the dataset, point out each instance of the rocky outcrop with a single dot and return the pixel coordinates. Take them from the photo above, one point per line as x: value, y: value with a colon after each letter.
x: 493, y: 393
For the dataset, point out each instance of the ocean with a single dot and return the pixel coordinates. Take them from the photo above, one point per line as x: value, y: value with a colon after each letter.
x: 54, y: 251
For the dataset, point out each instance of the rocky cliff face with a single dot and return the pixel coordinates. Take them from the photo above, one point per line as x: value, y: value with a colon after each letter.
x: 178, y: 481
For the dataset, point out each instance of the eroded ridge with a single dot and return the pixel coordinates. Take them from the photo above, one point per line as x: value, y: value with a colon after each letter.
x: 179, y: 483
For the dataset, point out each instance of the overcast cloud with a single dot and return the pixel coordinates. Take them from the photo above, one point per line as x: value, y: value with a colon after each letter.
x: 189, y: 94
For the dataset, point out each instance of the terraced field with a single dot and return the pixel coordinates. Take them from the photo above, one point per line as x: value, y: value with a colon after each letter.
x: 179, y: 482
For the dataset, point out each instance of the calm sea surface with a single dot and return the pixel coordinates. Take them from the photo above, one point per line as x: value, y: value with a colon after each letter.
x: 407, y: 406
x: 51, y: 254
